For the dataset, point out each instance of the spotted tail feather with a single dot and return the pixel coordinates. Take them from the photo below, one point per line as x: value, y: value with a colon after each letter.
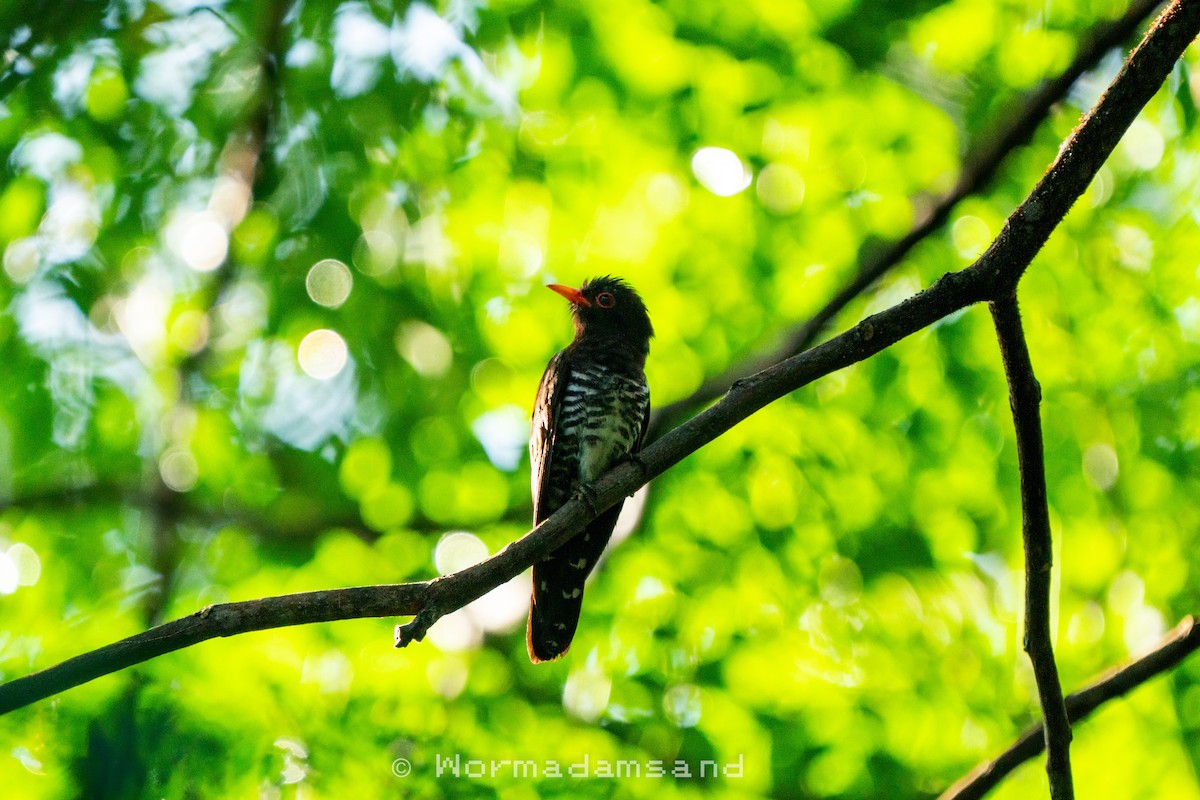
x: 558, y: 583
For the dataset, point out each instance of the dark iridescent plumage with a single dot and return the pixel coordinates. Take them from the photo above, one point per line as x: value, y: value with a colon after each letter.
x: 591, y: 412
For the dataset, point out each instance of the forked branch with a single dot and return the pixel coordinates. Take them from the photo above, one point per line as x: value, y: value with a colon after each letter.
x: 1176, y: 646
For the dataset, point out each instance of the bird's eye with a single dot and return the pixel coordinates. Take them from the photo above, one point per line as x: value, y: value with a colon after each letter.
x: 606, y: 300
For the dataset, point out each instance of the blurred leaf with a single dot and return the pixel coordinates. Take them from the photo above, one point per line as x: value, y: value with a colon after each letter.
x: 1185, y: 97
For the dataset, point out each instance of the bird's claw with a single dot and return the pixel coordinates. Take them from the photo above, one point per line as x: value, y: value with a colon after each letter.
x: 643, y: 467
x: 584, y: 492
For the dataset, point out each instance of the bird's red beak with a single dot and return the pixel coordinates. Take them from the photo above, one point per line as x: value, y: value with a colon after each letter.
x: 574, y: 295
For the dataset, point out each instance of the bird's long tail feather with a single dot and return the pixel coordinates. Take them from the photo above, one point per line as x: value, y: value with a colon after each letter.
x: 558, y: 583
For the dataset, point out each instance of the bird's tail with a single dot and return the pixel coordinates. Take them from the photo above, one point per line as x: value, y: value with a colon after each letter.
x: 558, y: 588
x: 552, y: 620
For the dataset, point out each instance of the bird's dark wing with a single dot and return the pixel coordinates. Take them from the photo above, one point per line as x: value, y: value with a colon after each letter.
x: 541, y: 440
x: 551, y: 612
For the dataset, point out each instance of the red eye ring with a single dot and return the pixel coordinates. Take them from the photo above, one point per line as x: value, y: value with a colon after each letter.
x: 606, y: 300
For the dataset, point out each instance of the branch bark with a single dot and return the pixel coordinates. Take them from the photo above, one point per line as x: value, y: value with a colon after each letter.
x: 977, y: 170
x: 225, y: 619
x: 1025, y: 396
x: 1175, y: 646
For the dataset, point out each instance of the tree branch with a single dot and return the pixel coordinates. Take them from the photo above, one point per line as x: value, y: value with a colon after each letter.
x: 1093, y: 140
x: 996, y: 272
x: 1025, y: 395
x: 1176, y: 646
x: 977, y: 169
x: 225, y: 619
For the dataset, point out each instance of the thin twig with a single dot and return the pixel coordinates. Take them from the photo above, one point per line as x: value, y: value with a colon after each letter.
x: 1176, y: 646
x: 225, y: 619
x: 1025, y: 396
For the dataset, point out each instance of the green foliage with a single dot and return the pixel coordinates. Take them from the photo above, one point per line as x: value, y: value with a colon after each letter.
x: 217, y: 388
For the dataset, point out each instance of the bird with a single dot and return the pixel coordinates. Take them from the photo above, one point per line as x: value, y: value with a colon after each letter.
x: 591, y: 412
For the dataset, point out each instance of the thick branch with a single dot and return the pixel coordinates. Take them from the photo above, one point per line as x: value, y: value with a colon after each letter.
x: 1093, y: 140
x: 1176, y: 646
x: 1025, y: 395
x: 977, y: 169
x: 996, y: 271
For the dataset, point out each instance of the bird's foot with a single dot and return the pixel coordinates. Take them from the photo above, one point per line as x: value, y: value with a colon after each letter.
x: 643, y: 468
x: 585, y: 493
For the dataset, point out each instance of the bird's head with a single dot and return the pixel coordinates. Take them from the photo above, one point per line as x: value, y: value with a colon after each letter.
x: 608, y: 306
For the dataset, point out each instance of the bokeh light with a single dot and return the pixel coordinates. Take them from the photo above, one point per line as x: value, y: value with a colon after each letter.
x: 189, y: 331
x: 8, y: 575
x: 424, y: 347
x: 142, y: 315
x: 376, y: 253
x: 586, y: 693
x: 504, y: 608
x: 458, y: 550
x: 1100, y: 466
x: 455, y: 632
x: 366, y: 465
x: 781, y: 188
x: 199, y: 239
x: 19, y: 566
x: 322, y: 354
x: 230, y: 199
x: 971, y: 236
x: 447, y: 676
x: 720, y: 171
x: 681, y: 703
x: 387, y: 505
x: 329, y: 283
x: 179, y: 469
x: 21, y: 260
x: 1142, y: 144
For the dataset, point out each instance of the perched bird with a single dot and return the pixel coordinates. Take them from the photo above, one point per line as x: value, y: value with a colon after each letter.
x: 592, y: 409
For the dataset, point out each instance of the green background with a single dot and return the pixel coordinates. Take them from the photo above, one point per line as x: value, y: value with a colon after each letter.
x: 830, y: 594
